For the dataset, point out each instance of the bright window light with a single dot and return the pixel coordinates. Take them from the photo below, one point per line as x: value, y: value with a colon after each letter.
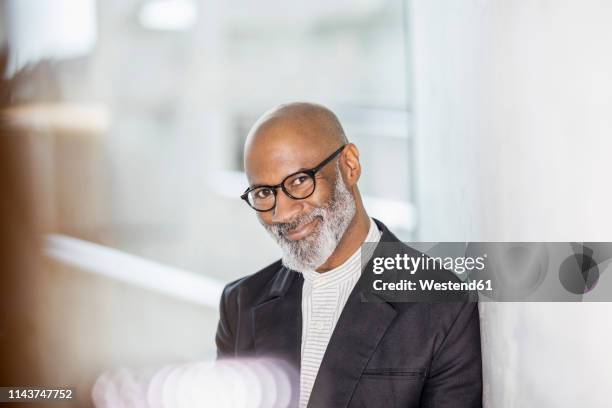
x: 168, y: 15
x: 55, y: 29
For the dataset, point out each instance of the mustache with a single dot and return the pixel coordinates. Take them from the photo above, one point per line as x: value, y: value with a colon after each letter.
x: 282, y: 228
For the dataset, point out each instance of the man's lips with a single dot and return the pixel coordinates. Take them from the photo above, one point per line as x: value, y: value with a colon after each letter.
x: 302, y: 231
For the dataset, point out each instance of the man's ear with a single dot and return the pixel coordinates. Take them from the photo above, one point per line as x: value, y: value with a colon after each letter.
x: 350, y: 164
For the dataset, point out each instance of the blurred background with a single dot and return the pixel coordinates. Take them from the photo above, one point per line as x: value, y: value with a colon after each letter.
x: 476, y: 120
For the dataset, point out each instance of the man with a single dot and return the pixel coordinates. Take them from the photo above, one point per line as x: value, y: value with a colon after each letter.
x: 309, y: 308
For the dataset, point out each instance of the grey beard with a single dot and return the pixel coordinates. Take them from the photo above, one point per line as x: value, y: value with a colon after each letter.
x: 334, y: 218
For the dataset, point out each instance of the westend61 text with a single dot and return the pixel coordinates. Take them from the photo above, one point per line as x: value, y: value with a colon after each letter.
x: 431, y: 285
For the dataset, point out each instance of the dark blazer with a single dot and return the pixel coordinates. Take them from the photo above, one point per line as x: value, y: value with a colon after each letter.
x: 381, y: 354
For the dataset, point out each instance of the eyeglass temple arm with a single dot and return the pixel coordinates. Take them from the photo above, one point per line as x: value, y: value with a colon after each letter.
x: 330, y: 158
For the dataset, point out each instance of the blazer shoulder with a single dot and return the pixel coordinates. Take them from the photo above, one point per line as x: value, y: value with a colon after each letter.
x: 253, y: 283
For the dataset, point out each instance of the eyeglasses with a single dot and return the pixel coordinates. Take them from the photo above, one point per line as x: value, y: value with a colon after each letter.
x: 298, y: 185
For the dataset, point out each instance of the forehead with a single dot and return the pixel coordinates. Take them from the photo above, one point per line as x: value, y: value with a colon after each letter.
x: 280, y: 151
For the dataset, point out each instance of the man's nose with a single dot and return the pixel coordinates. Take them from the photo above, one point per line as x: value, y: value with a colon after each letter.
x: 286, y: 208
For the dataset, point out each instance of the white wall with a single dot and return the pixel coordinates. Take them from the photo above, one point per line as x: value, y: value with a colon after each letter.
x: 513, y: 112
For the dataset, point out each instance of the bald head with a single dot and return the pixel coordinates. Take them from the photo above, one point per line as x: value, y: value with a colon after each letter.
x: 300, y: 128
x: 310, y: 123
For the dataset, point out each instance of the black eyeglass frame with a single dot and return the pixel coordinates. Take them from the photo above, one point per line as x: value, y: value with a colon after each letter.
x: 311, y: 172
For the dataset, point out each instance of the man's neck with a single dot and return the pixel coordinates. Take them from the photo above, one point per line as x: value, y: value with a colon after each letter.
x: 352, y: 239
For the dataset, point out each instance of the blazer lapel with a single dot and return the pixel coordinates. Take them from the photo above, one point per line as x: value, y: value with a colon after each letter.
x: 359, y: 329
x: 277, y: 319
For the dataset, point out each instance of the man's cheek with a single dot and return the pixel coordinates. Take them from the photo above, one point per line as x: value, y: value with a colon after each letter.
x: 320, y: 199
x: 265, y: 218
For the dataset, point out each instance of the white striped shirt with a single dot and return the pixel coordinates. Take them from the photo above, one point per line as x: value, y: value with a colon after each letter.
x: 323, y: 298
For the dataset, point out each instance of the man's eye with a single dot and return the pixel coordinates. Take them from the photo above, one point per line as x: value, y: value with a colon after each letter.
x: 299, y: 180
x: 263, y: 193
